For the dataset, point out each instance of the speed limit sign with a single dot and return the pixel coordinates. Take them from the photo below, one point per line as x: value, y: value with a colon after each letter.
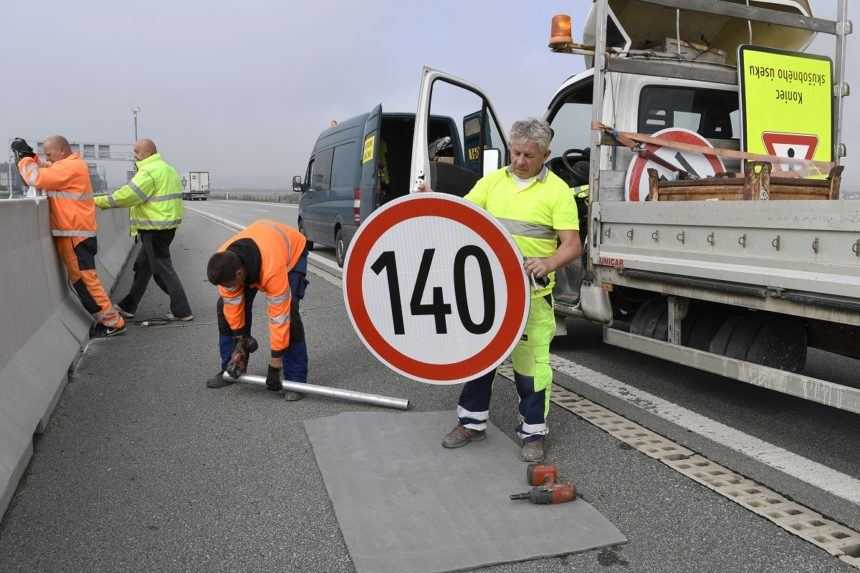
x: 435, y: 288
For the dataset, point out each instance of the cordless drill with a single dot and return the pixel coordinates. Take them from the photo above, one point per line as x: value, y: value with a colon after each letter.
x: 242, y: 349
x: 547, y: 490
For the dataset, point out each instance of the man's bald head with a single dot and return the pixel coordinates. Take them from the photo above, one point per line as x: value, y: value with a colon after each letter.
x: 143, y: 148
x: 57, y: 147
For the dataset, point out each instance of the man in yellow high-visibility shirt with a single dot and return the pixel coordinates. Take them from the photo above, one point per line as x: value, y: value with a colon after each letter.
x: 536, y: 207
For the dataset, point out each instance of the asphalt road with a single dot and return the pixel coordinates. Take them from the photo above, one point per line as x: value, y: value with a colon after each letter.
x: 142, y: 468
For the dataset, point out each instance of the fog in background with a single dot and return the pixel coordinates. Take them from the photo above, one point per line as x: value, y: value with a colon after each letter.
x: 243, y: 89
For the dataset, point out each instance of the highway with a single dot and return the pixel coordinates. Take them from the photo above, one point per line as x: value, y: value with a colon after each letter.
x: 142, y: 468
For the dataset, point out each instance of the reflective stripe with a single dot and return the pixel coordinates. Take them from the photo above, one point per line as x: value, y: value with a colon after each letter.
x: 479, y: 416
x: 70, y: 195
x: 137, y: 190
x: 169, y: 197
x: 157, y: 224
x: 72, y: 233
x: 232, y: 300
x: 526, y: 430
x: 280, y: 319
x: 32, y: 173
x: 278, y: 299
x: 531, y: 230
x: 111, y: 201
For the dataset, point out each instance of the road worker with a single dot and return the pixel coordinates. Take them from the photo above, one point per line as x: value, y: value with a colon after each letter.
x: 535, y: 206
x: 65, y: 179
x: 272, y: 258
x: 154, y: 198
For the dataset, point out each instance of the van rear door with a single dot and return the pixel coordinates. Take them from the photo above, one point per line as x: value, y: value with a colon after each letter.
x: 374, y: 167
x: 470, y: 110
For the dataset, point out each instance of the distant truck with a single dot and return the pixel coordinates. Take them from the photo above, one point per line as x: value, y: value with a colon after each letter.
x: 195, y: 185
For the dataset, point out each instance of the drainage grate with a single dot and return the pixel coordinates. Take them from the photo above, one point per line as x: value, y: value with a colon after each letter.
x: 835, y: 538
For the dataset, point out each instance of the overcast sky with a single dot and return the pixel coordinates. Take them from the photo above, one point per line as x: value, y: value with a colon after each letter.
x: 243, y: 89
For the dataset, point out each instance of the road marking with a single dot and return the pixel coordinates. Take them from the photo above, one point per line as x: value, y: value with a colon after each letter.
x: 794, y: 465
x: 818, y: 475
x: 324, y: 272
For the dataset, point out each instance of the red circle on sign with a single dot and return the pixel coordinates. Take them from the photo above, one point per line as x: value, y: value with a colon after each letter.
x: 679, y: 135
x: 433, y: 206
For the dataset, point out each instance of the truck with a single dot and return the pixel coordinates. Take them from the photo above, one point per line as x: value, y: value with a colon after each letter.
x: 715, y: 279
x: 195, y: 185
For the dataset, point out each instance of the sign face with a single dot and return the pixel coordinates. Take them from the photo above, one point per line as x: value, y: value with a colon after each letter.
x: 435, y: 288
x: 786, y: 103
x: 670, y: 162
x: 367, y: 152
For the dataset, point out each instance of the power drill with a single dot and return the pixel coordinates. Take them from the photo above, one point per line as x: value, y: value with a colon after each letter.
x: 242, y: 349
x: 547, y: 490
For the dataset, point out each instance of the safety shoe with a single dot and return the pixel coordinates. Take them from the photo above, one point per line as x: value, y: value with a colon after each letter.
x: 218, y: 381
x: 532, y: 451
x: 101, y: 331
x: 291, y: 396
x: 461, y: 435
x: 171, y: 316
x: 123, y: 312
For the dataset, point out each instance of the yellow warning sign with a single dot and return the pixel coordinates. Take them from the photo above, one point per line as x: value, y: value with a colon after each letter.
x: 786, y: 104
x: 368, y: 149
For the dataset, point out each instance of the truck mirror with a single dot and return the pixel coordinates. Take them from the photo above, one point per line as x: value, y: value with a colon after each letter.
x: 298, y: 186
x: 491, y: 160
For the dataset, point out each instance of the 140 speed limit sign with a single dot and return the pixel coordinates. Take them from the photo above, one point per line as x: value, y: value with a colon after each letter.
x: 435, y: 288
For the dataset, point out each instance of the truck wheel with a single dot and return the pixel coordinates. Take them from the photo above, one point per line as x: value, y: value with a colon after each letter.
x: 700, y: 327
x: 309, y: 245
x: 721, y: 339
x: 339, y: 248
x: 652, y: 320
x: 780, y: 343
x: 742, y: 338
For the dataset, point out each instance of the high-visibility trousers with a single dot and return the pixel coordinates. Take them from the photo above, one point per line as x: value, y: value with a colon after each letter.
x: 79, y: 256
x: 532, y: 375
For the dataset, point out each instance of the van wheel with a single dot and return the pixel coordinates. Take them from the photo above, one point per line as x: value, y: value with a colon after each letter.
x: 339, y: 248
x: 309, y: 245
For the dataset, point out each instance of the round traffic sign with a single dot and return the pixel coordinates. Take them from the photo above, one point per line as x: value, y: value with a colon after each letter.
x: 670, y: 162
x: 435, y: 288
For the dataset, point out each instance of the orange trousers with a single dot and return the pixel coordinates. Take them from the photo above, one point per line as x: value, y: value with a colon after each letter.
x: 79, y: 256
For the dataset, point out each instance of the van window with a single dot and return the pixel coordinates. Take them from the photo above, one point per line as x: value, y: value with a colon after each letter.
x: 343, y: 168
x: 321, y: 171
x: 713, y: 114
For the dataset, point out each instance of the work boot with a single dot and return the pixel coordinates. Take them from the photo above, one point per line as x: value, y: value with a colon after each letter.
x: 291, y: 396
x: 461, y: 435
x: 172, y: 317
x: 532, y: 451
x: 123, y: 312
x: 218, y: 381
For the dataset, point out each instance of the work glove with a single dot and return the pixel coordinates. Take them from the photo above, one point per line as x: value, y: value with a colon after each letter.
x: 273, y: 379
x: 21, y: 149
x: 242, y: 349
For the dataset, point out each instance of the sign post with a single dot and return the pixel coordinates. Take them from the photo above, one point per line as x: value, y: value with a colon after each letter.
x: 435, y: 288
x: 786, y: 104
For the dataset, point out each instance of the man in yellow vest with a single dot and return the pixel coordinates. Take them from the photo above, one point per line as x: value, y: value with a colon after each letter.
x: 535, y: 206
x: 154, y: 198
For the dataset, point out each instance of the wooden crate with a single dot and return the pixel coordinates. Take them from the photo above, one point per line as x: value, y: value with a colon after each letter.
x: 756, y: 185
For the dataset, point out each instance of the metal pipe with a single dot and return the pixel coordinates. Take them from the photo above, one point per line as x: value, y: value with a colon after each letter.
x: 349, y: 395
x: 841, y: 47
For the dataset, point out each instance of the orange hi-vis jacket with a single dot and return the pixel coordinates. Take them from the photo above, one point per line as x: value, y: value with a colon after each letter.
x: 70, y: 194
x: 281, y: 247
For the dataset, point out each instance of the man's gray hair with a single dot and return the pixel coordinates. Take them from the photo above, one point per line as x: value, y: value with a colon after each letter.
x: 532, y: 129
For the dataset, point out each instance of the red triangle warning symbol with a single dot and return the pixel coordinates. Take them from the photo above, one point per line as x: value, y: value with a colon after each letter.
x: 800, y: 146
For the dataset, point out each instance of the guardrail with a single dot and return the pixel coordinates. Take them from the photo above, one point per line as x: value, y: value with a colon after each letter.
x: 266, y: 196
x: 42, y: 324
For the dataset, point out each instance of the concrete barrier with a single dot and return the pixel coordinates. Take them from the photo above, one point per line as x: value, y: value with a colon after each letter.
x: 42, y: 324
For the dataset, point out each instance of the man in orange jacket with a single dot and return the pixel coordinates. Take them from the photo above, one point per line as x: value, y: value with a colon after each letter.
x: 270, y: 257
x: 66, y: 181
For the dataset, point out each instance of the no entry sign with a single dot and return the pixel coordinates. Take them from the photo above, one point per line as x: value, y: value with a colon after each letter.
x: 435, y: 288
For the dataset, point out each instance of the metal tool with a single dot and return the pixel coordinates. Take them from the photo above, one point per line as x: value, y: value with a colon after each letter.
x: 349, y: 395
x: 550, y: 494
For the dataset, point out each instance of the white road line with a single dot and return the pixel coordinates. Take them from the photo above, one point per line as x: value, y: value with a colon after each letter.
x: 815, y: 474
x: 789, y: 463
x: 322, y: 273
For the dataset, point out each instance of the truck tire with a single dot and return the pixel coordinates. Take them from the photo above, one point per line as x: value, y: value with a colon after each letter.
x: 700, y: 327
x: 651, y: 319
x: 743, y: 336
x: 720, y: 341
x: 339, y: 248
x: 780, y: 343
